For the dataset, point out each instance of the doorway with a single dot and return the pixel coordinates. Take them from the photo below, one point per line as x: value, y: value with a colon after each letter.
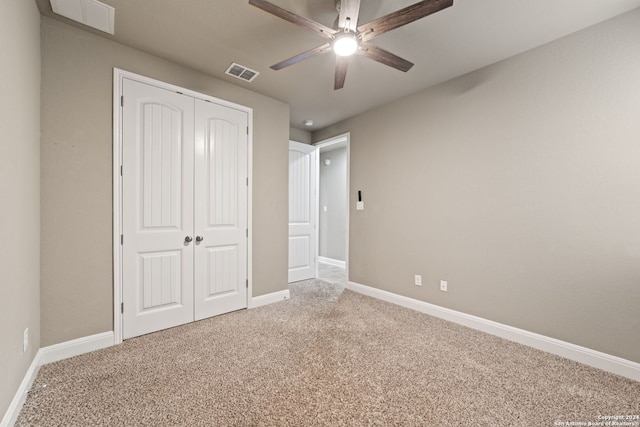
x: 333, y: 209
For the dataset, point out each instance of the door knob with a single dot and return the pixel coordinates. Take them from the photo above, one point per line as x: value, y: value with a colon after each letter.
x: 188, y: 239
x: 199, y: 238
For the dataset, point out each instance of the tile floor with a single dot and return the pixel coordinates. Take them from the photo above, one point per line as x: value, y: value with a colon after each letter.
x: 331, y: 273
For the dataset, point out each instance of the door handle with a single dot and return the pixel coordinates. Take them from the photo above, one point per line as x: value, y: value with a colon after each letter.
x: 188, y: 239
x: 199, y: 238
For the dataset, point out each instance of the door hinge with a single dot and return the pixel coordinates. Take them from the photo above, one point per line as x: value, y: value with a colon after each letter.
x: 122, y: 100
x: 122, y: 239
x: 247, y: 232
x: 247, y: 130
x: 121, y: 307
x: 247, y: 181
x: 247, y: 282
x: 120, y: 170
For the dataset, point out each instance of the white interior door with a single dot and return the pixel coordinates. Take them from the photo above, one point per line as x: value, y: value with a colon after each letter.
x: 221, y: 209
x: 157, y: 265
x: 302, y: 211
x: 184, y: 208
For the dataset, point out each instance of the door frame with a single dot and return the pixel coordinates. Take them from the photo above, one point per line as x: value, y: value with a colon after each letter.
x: 345, y: 137
x: 118, y: 77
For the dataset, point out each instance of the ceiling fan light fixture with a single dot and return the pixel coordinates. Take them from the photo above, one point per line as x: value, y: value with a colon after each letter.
x: 345, y: 44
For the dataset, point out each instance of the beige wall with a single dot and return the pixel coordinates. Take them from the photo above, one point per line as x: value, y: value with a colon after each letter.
x: 519, y: 184
x: 19, y: 192
x: 77, y: 175
x: 300, y: 135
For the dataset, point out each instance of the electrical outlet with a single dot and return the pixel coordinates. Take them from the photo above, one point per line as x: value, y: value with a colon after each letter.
x: 443, y: 285
x: 417, y: 280
x: 25, y: 340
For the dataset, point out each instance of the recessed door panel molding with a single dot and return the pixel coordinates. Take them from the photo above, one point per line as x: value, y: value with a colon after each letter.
x: 161, y: 162
x: 222, y: 271
x: 221, y: 148
x: 299, y: 247
x: 302, y: 211
x: 183, y: 222
x: 299, y: 182
x: 160, y: 280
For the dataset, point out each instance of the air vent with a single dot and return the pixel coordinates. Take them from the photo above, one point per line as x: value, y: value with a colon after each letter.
x: 88, y: 12
x: 241, y: 72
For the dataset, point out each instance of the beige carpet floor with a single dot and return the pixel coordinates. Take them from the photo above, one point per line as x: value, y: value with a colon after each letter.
x: 326, y: 357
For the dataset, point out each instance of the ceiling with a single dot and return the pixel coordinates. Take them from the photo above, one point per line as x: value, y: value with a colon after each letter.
x: 208, y: 35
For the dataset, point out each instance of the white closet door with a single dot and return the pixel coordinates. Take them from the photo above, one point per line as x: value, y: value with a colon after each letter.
x: 158, y: 157
x: 221, y: 209
x: 302, y: 211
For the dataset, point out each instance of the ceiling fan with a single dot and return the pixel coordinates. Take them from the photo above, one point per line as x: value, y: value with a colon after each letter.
x: 349, y: 37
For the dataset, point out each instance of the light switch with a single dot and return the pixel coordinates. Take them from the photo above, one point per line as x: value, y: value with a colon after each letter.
x: 324, y: 208
x: 359, y: 206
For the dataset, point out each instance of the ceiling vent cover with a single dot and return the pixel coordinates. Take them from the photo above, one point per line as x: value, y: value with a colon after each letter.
x: 241, y: 72
x: 88, y: 12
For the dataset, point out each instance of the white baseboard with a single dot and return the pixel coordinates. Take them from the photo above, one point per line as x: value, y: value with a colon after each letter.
x: 331, y: 261
x: 587, y: 356
x: 50, y: 354
x: 269, y: 298
x: 67, y: 349
x: 20, y: 397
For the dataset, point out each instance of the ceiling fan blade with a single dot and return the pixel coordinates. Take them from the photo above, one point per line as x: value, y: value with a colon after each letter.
x: 349, y: 11
x: 301, y: 21
x: 387, y: 58
x: 401, y: 17
x: 302, y: 56
x: 342, y: 63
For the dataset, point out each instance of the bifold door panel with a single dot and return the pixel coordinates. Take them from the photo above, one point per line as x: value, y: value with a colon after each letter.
x: 184, y: 210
